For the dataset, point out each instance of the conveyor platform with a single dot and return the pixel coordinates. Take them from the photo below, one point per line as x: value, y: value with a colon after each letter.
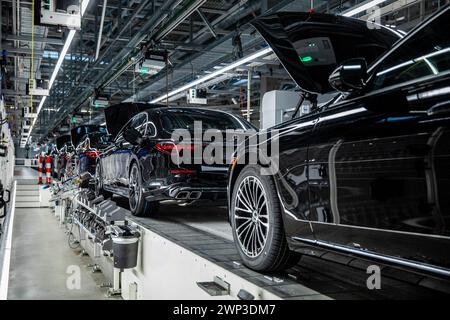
x: 188, y: 253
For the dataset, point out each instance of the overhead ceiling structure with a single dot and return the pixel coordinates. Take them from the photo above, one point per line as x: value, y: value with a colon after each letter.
x: 210, y: 44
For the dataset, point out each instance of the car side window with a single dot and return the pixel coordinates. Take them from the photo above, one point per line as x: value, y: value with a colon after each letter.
x: 119, y: 137
x: 151, y: 129
x: 139, y: 122
x: 426, y: 53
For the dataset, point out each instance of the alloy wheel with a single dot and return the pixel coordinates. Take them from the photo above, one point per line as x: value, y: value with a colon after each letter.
x: 97, y: 181
x: 251, y: 216
x: 134, y: 188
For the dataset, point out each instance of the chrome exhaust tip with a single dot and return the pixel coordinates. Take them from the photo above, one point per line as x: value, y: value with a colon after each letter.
x: 195, y: 195
x: 182, y: 195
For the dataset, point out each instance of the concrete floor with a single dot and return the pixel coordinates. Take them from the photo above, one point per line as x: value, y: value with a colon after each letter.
x: 25, y: 173
x: 41, y: 261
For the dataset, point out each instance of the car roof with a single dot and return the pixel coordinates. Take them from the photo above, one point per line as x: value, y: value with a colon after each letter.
x: 200, y: 110
x: 195, y: 109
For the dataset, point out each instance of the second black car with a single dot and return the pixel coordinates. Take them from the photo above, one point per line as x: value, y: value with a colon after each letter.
x: 139, y: 164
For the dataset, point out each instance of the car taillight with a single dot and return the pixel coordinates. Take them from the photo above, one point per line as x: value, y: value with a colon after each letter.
x: 165, y: 147
x: 92, y: 154
x: 168, y: 147
x: 182, y: 171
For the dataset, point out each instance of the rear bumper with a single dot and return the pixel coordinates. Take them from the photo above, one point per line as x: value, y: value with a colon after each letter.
x: 183, y: 191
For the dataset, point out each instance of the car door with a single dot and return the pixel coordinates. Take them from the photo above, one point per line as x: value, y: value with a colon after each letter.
x: 109, y: 162
x: 292, y: 175
x: 152, y: 164
x: 378, y: 163
x: 125, y: 150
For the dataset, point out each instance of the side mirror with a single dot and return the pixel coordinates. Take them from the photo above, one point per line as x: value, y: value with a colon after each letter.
x: 132, y: 136
x: 349, y: 76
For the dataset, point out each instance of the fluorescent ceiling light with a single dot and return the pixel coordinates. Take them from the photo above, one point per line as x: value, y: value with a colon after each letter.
x: 211, y: 75
x: 258, y: 54
x: 64, y: 50
x: 362, y: 8
x: 61, y: 57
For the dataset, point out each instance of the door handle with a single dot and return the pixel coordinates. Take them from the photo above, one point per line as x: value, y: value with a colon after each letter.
x: 322, y: 171
x: 439, y: 108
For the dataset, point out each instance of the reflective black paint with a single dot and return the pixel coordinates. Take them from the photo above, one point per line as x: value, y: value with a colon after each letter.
x: 371, y: 173
x: 159, y: 181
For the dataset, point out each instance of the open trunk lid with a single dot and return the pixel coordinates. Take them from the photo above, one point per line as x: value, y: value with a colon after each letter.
x: 119, y: 114
x: 311, y: 46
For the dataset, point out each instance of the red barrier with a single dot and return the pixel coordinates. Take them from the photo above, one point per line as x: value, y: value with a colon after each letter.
x: 48, y: 169
x: 40, y: 169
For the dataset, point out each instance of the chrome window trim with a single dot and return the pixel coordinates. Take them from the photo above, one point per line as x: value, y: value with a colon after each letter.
x: 146, y: 131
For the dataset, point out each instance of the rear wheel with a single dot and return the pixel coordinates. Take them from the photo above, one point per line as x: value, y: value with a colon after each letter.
x: 98, y: 187
x: 257, y: 223
x: 138, y: 205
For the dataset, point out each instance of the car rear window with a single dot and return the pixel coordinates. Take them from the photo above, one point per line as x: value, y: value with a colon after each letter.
x: 99, y: 140
x: 184, y: 119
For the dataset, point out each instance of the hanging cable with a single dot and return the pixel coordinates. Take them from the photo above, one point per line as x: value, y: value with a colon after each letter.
x: 31, y: 81
x: 167, y: 79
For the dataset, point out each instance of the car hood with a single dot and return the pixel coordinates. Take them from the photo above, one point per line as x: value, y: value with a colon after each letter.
x: 61, y: 141
x: 311, y: 46
x: 79, y: 132
x: 119, y: 114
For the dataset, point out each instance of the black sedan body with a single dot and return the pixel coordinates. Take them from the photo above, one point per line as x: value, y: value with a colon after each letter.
x: 88, y: 140
x: 141, y: 167
x: 366, y: 173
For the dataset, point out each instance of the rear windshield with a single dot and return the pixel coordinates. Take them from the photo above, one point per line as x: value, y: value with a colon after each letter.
x: 184, y: 119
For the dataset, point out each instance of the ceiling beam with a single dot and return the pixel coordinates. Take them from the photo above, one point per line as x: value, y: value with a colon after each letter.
x: 23, y: 51
x: 27, y: 37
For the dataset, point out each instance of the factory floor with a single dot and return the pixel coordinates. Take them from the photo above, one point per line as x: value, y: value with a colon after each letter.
x: 42, y: 266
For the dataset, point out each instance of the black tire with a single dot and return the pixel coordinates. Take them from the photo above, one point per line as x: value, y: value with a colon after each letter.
x: 275, y: 254
x: 139, y: 207
x: 98, y: 184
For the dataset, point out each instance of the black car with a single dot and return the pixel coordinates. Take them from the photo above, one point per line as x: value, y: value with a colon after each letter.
x: 366, y: 173
x: 139, y: 163
x: 89, y: 141
x: 65, y: 150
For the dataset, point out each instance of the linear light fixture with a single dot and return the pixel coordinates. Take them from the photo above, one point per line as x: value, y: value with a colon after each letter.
x: 62, y: 55
x: 258, y: 54
x: 362, y: 8
x: 214, y: 74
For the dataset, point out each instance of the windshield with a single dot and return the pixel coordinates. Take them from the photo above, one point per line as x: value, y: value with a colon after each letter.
x: 184, y: 119
x: 425, y: 53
